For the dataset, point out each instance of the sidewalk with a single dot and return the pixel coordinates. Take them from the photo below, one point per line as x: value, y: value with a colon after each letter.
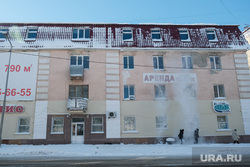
x: 117, y: 150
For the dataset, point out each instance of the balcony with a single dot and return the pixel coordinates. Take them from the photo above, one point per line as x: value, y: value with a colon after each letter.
x: 77, y: 104
x: 76, y: 72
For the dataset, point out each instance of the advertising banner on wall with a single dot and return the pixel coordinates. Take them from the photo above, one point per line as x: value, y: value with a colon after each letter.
x: 22, y: 75
x: 163, y: 78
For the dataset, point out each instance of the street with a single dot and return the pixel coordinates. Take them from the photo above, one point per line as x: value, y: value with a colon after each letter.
x: 114, y: 162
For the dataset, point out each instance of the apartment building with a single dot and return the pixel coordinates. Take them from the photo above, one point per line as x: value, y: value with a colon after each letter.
x: 123, y: 83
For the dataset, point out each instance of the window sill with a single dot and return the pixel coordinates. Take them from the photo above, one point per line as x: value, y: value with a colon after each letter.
x: 223, y: 130
x: 30, y: 40
x: 128, y: 99
x: 130, y: 132
x: 214, y: 40
x: 187, y: 40
x: 58, y: 133
x: 159, y: 69
x: 22, y: 133
x: 157, y: 40
x: 80, y: 40
x: 128, y: 40
x: 97, y: 132
x: 220, y: 98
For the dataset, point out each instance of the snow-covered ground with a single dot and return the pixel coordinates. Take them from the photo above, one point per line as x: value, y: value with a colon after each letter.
x: 116, y: 150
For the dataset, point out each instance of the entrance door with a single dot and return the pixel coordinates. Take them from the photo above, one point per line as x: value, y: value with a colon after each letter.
x: 77, y: 131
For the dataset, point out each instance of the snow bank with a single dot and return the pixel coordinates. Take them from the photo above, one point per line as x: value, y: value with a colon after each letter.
x: 121, y: 150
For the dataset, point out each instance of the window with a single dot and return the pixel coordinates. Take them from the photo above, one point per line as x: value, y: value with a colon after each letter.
x: 31, y: 33
x: 156, y: 36
x: 129, y: 92
x: 57, y: 125
x: 184, y: 35
x: 190, y: 91
x: 129, y: 124
x: 160, y: 92
x: 215, y: 63
x: 161, y: 122
x: 127, y: 35
x: 211, y: 35
x: 79, y: 91
x: 81, y: 33
x: 158, y: 62
x: 187, y: 62
x: 219, y: 91
x: 2, y: 38
x: 97, y: 125
x: 23, y: 125
x: 80, y: 60
x: 128, y: 62
x: 222, y: 122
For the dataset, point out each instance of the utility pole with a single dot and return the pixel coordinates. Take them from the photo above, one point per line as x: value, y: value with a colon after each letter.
x: 6, y: 84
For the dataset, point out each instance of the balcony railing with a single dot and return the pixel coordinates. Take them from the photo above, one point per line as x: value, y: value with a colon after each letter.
x: 77, y: 104
x: 76, y: 72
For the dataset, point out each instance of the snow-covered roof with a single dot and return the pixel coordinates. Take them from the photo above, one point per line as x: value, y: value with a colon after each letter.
x: 110, y: 35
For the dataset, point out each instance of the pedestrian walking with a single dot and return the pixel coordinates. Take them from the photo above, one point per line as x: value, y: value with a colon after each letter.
x: 235, y: 136
x: 181, y: 135
x: 196, y: 136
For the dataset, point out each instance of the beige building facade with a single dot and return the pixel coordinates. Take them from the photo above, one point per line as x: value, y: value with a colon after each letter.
x: 122, y: 83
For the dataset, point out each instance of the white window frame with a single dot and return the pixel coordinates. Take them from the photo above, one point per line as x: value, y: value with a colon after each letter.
x: 30, y: 30
x: 128, y: 63
x: 214, y: 63
x: 124, y: 32
x: 157, y: 67
x: 211, y: 32
x: 186, y: 33
x: 1, y: 31
x: 99, y: 125
x: 18, y: 125
x: 164, y: 97
x: 125, y: 125
x: 187, y: 63
x: 226, y: 122
x: 218, y: 91
x: 153, y: 31
x: 163, y: 124
x: 78, y: 32
x: 60, y: 125
x: 82, y: 62
x: 130, y: 95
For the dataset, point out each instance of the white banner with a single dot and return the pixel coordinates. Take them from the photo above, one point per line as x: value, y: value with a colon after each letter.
x: 22, y: 76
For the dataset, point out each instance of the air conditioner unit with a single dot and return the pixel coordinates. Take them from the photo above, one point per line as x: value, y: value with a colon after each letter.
x: 111, y: 114
x: 131, y: 97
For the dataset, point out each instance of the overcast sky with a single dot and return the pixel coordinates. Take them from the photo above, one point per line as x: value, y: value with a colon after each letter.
x: 127, y: 11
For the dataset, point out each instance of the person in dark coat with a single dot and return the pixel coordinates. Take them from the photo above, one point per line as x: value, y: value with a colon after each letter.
x: 196, y: 136
x: 181, y: 135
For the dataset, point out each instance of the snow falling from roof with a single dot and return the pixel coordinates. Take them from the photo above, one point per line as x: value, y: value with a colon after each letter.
x: 59, y: 36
